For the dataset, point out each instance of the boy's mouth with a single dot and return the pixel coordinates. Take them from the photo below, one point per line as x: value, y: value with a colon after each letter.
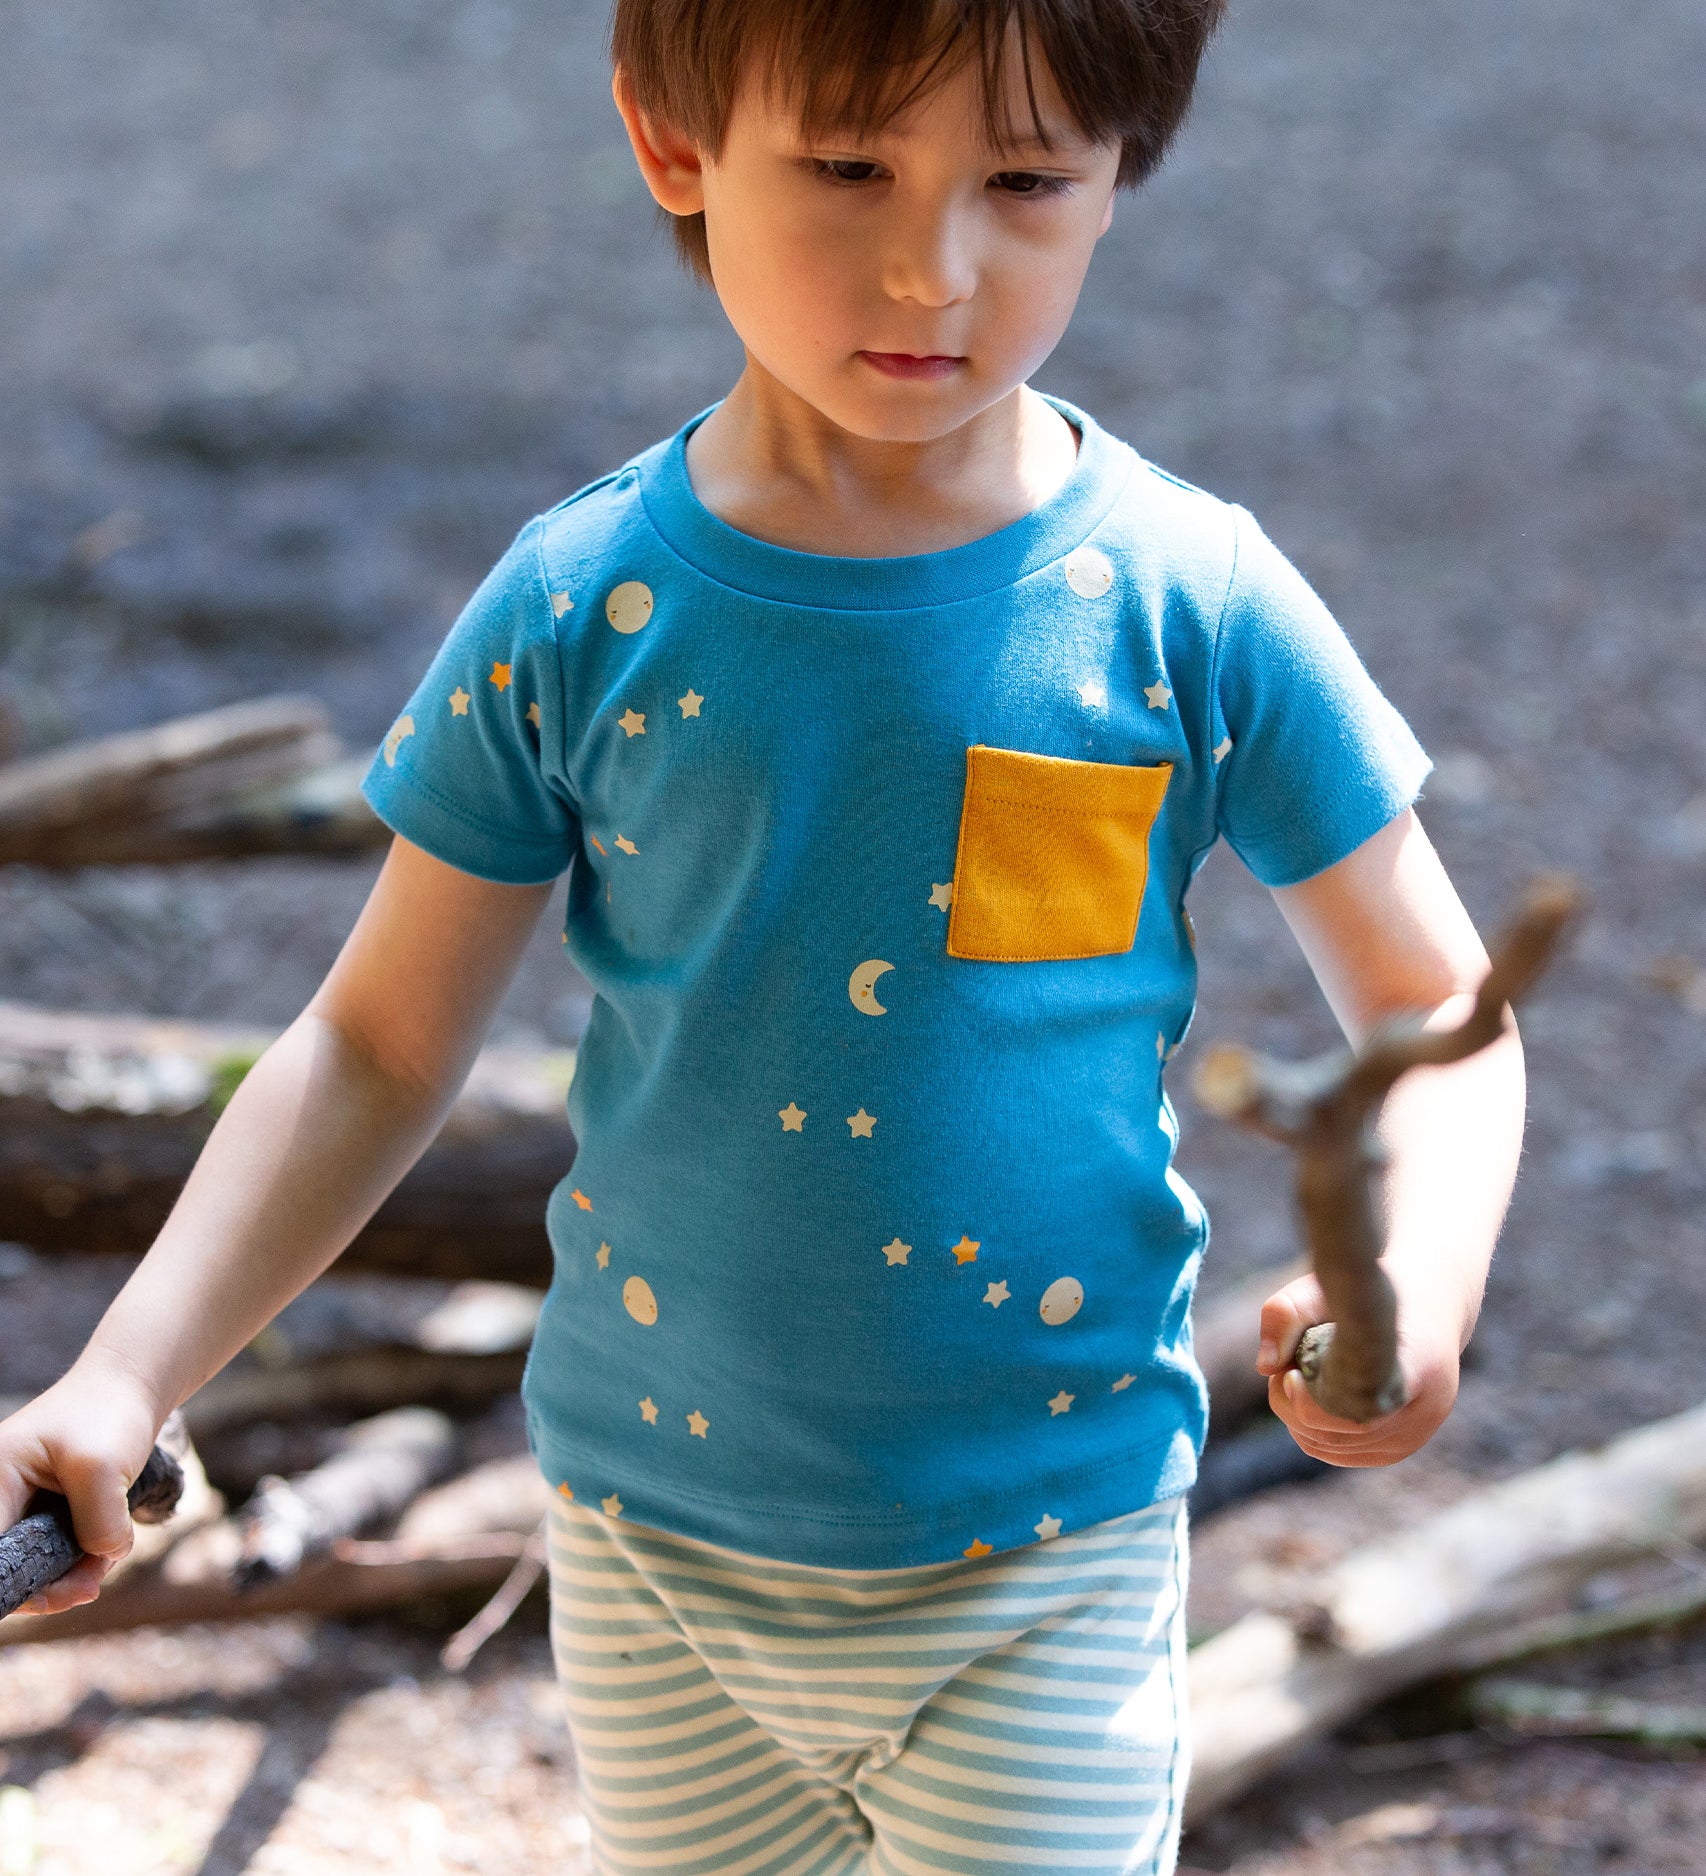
x: 912, y: 365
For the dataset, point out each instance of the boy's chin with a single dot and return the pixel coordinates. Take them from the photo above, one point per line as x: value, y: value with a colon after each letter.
x: 906, y: 412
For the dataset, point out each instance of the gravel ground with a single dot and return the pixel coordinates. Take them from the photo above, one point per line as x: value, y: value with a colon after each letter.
x: 304, y: 310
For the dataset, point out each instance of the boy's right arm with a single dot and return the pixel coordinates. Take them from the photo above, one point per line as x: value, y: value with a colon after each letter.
x: 318, y: 1133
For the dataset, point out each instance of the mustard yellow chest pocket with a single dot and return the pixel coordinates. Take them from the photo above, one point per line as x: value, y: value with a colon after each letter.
x: 1053, y: 856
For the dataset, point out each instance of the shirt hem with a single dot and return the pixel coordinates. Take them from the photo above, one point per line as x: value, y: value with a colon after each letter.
x: 1071, y: 1500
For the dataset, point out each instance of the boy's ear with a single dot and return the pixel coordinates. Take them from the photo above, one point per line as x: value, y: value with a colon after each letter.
x: 668, y: 161
x: 1107, y: 215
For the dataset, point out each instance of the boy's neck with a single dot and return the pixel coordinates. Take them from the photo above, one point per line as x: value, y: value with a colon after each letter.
x: 773, y: 466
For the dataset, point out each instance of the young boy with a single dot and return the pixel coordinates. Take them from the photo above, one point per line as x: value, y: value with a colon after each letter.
x: 881, y: 719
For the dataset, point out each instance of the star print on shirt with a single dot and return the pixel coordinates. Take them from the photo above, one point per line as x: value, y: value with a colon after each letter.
x: 564, y: 1491
x: 965, y: 1252
x: 632, y: 723
x: 1046, y: 1528
x: 533, y: 715
x: 896, y: 1252
x: 1120, y: 1386
x: 690, y: 703
x: 604, y: 1257
x: 459, y: 702
x: 941, y: 897
x: 977, y: 1548
x: 626, y: 844
x: 1222, y: 750
x: 862, y: 1124
x: 1093, y: 695
x: 697, y: 1424
x: 581, y: 1199
x: 560, y: 603
x: 612, y: 1506
x: 649, y: 1411
x: 1158, y: 694
x: 1062, y: 1402
x: 996, y: 1294
x: 792, y: 1117
x: 500, y: 675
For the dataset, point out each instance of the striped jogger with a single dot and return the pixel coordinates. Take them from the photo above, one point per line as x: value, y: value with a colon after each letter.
x: 730, y: 1714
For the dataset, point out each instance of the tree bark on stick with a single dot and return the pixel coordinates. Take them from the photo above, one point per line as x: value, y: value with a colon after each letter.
x: 464, y: 1535
x: 1425, y: 1601
x: 1325, y: 1110
x: 101, y: 1118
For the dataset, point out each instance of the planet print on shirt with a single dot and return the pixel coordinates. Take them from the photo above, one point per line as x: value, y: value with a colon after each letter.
x: 629, y: 607
x: 861, y: 986
x: 1088, y: 572
x: 638, y: 1300
x: 1062, y: 1300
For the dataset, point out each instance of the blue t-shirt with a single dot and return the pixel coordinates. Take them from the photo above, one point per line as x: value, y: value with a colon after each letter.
x: 873, y: 1254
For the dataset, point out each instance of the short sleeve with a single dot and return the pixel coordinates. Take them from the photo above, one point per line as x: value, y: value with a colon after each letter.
x: 1310, y: 758
x: 465, y: 771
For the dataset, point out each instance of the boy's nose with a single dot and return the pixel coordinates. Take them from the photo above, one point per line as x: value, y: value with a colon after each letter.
x: 930, y: 262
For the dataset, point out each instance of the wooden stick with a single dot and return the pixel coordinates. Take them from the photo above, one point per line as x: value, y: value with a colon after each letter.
x: 457, y: 1654
x: 465, y: 1534
x: 1324, y: 1110
x: 42, y: 1546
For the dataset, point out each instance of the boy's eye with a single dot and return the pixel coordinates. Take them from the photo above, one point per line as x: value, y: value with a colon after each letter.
x: 846, y: 169
x: 1029, y: 182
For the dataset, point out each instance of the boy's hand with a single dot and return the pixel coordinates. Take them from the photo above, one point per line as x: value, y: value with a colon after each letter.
x: 87, y: 1438
x: 1428, y: 1353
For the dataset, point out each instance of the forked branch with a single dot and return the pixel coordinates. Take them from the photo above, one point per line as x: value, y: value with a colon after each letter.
x: 1325, y: 1111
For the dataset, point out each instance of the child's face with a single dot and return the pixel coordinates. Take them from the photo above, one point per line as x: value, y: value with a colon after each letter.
x: 902, y: 281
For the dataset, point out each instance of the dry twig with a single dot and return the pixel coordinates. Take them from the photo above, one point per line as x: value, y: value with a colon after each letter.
x: 1324, y: 1110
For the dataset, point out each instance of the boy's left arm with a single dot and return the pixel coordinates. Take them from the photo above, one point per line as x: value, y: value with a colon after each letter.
x: 1384, y: 932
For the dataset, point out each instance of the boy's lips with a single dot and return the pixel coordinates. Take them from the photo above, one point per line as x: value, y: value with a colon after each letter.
x: 913, y: 364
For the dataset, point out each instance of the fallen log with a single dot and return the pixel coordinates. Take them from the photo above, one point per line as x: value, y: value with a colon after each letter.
x: 1538, y: 1710
x: 434, y: 1553
x: 266, y: 776
x: 369, y: 1381
x: 384, y: 1464
x: 1420, y: 1603
x: 101, y: 1118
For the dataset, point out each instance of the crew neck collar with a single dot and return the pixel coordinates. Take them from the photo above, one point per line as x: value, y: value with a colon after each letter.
x: 842, y: 583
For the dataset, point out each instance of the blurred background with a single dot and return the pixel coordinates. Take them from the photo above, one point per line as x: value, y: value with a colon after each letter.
x: 305, y: 309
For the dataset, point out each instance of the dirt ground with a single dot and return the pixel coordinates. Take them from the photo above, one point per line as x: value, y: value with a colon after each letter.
x: 303, y: 310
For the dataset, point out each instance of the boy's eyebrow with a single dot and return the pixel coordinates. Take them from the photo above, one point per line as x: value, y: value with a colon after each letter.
x: 1063, y: 140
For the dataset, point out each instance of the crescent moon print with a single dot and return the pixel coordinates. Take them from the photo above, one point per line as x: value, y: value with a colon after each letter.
x: 861, y: 986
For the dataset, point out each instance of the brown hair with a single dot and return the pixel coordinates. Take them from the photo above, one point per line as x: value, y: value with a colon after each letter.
x: 1125, y: 68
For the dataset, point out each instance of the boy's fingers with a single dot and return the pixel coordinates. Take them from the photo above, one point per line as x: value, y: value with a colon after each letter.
x: 1285, y: 1316
x: 80, y: 1584
x: 100, y: 1516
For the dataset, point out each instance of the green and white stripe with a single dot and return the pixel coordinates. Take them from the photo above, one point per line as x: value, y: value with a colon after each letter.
x: 1023, y: 1711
